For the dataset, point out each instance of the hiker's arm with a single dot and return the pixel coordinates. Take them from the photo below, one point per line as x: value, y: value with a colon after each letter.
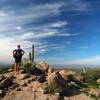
x: 23, y: 52
x: 13, y: 52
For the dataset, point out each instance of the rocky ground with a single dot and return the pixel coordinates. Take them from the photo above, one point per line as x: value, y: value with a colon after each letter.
x: 49, y: 85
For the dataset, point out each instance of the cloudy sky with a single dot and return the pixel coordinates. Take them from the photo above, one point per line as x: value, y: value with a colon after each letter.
x: 63, y: 31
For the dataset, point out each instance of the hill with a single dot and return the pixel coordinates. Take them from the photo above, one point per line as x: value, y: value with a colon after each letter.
x: 41, y: 82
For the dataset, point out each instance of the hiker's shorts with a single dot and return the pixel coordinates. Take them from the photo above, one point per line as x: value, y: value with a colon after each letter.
x: 18, y: 60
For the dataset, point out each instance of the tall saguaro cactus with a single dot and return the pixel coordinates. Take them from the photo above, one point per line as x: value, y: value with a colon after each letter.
x: 30, y: 57
x: 32, y: 53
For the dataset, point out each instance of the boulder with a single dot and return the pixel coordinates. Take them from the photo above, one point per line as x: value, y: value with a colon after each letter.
x: 67, y: 75
x: 41, y: 78
x: 43, y: 66
x: 57, y: 83
x: 50, y: 70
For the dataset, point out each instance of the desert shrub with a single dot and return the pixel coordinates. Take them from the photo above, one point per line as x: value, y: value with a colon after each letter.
x: 86, y: 91
x: 32, y: 69
x: 90, y: 77
x: 29, y: 67
x: 49, y: 90
x: 95, y: 74
x: 93, y: 84
x: 94, y: 96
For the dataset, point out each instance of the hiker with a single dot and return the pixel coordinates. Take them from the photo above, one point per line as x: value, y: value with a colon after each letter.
x: 17, y: 54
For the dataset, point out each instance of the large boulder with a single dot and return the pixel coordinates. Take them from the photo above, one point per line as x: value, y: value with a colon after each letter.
x: 57, y: 83
x: 43, y: 66
x: 67, y: 75
x: 50, y: 70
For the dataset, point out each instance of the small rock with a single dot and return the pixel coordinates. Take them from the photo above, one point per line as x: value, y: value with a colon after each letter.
x: 66, y: 98
x: 57, y: 94
x: 55, y: 97
x: 18, y: 89
x: 41, y: 78
x: 1, y: 92
x: 14, y: 85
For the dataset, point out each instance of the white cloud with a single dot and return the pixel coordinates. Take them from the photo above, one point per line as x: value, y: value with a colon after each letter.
x: 19, y: 28
x: 59, y: 24
x: 68, y: 34
x: 76, y: 5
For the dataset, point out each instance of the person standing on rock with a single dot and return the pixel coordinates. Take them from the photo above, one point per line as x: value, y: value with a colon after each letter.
x: 17, y: 54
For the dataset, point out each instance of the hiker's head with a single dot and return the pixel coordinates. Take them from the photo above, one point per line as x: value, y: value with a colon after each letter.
x: 18, y: 46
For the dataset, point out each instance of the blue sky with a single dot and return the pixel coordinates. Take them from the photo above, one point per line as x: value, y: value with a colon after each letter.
x: 63, y: 31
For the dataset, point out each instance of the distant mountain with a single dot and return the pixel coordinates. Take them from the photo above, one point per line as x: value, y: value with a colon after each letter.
x: 4, y: 64
x: 75, y: 66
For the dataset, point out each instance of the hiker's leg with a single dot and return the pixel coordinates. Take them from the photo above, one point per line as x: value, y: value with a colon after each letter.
x: 15, y: 67
x: 16, y: 64
x: 19, y: 63
x: 18, y: 67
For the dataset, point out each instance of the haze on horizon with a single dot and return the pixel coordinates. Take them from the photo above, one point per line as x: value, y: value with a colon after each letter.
x: 63, y: 31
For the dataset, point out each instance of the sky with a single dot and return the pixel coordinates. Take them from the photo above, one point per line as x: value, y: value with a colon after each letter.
x: 63, y: 31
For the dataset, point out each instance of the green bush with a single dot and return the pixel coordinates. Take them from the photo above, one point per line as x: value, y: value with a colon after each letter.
x: 49, y: 90
x: 90, y: 77
x: 86, y: 91
x: 29, y: 67
x: 94, y: 96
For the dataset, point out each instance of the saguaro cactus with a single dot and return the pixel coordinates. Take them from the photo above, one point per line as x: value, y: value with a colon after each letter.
x: 30, y: 57
x: 32, y: 53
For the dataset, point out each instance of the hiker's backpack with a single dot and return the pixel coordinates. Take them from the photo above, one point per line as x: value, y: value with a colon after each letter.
x: 18, y: 53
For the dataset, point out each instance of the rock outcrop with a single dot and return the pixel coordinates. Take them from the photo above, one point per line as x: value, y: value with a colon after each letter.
x: 43, y: 66
x: 48, y: 85
x: 67, y: 75
x: 50, y: 70
x: 57, y: 83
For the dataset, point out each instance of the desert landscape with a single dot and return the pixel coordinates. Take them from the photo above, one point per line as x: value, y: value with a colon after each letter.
x: 43, y: 82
